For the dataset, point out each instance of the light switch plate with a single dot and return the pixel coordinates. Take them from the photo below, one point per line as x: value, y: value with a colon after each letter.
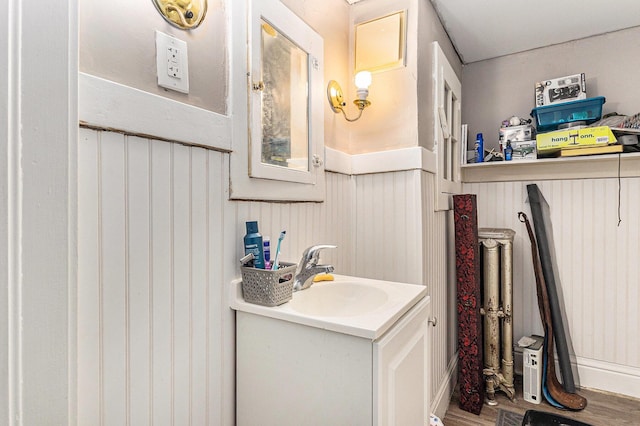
x: 172, y: 63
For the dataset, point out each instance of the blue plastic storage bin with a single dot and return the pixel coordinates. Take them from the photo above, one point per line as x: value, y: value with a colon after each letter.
x: 549, y: 117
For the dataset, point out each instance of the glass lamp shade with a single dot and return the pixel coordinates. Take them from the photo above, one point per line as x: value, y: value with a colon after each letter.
x: 363, y: 80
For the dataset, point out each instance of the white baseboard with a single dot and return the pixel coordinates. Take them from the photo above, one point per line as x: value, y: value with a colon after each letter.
x: 609, y: 377
x: 592, y: 374
x: 440, y: 402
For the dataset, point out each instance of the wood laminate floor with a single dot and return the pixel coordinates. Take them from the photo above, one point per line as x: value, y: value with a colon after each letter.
x: 603, y: 409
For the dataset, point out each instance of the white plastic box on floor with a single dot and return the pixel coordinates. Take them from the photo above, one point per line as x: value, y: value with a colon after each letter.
x: 532, y: 371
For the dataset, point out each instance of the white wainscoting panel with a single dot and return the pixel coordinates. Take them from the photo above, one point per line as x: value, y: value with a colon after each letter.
x: 154, y: 228
x: 400, y: 237
x: 597, y: 262
x: 389, y: 226
x: 150, y: 292
x: 439, y: 275
x: 306, y: 224
x: 386, y: 228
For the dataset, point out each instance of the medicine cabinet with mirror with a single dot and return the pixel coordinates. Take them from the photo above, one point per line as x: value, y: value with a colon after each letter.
x: 285, y: 151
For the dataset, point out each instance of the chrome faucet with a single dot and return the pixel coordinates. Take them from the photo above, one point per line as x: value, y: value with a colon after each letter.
x: 309, y: 268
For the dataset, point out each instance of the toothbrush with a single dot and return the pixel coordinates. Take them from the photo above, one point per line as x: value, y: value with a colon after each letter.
x: 275, y: 259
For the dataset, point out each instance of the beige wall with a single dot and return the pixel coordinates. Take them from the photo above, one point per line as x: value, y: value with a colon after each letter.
x: 401, y: 114
x: 496, y: 89
x: 430, y: 30
x: 391, y: 120
x: 330, y: 19
x: 117, y: 43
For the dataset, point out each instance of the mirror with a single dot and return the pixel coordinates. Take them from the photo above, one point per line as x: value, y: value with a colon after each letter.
x: 284, y: 101
x: 380, y: 43
x: 278, y: 97
x: 286, y: 135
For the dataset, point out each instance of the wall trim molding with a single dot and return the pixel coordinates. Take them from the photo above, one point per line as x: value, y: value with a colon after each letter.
x: 108, y: 105
x: 440, y: 402
x: 38, y: 112
x: 414, y: 158
x: 609, y: 377
x: 113, y: 106
x: 593, y: 374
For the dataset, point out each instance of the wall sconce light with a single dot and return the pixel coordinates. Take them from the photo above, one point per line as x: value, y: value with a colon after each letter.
x: 336, y: 97
x: 184, y: 14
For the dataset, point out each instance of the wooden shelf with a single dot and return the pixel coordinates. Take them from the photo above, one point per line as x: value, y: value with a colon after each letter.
x: 587, y: 167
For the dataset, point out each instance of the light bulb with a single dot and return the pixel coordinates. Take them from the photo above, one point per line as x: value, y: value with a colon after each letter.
x: 363, y: 80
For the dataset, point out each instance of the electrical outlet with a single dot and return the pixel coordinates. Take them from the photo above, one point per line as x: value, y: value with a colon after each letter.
x: 174, y: 68
x: 172, y: 63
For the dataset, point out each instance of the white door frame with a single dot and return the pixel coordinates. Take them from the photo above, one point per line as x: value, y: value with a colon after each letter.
x: 447, y: 109
x: 38, y: 261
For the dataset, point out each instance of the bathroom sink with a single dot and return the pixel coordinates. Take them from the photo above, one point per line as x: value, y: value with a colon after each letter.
x: 356, y: 306
x: 338, y: 299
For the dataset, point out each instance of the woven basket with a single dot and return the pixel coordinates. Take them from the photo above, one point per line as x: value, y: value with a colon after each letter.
x: 268, y: 288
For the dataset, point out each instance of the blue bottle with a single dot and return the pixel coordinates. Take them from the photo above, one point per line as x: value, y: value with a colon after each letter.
x: 479, y: 148
x: 508, y: 152
x: 253, y: 244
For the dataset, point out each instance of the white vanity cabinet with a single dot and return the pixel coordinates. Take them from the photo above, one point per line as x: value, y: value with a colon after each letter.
x: 288, y: 373
x: 399, y: 359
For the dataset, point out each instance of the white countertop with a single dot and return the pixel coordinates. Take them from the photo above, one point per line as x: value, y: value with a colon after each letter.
x: 371, y: 325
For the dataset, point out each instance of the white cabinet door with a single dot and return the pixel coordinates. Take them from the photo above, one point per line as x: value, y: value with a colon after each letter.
x: 400, y: 357
x: 291, y: 375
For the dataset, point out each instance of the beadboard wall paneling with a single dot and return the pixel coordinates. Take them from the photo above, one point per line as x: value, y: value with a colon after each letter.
x: 306, y: 224
x: 340, y: 219
x: 439, y: 275
x: 389, y: 227
x: 152, y: 324
x: 596, y: 258
x: 498, y: 207
x: 401, y: 238
x: 385, y: 227
x: 150, y: 292
x: 89, y: 296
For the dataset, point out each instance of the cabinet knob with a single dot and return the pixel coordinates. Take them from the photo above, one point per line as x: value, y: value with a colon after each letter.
x: 258, y: 87
x: 433, y: 321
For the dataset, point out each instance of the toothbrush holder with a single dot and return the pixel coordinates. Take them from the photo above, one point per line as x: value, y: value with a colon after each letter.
x: 266, y: 287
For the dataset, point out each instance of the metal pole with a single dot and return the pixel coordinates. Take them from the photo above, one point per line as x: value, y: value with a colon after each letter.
x: 491, y: 278
x: 507, y: 321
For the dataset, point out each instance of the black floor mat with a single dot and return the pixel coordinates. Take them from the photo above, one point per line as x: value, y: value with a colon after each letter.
x: 508, y: 418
